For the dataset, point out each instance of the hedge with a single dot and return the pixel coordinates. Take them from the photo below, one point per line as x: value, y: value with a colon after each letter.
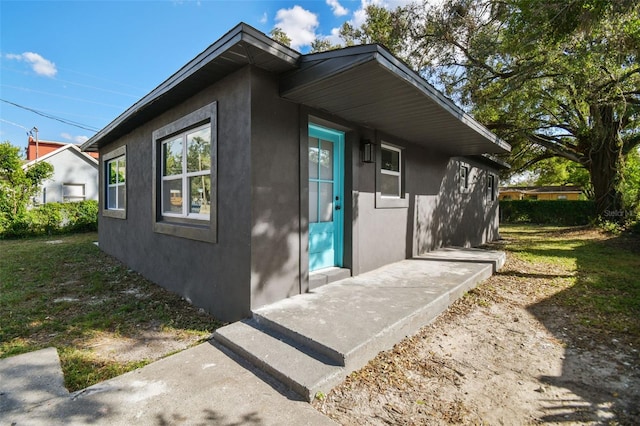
x: 52, y: 218
x: 551, y: 212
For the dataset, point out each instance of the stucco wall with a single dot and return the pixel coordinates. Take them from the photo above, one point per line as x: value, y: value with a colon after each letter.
x: 438, y: 213
x: 214, y: 276
x: 275, y: 171
x: 69, y: 167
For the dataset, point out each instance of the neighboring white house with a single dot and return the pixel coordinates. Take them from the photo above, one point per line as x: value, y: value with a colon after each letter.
x: 75, y: 176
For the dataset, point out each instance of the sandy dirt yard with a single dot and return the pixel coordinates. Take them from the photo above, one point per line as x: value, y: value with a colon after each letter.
x: 503, y: 354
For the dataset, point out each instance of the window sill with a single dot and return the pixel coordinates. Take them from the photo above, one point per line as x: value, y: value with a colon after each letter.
x: 391, y: 202
x: 199, y: 231
x: 116, y: 214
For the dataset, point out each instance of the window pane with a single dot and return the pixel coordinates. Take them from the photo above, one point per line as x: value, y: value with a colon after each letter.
x: 390, y: 159
x: 200, y: 191
x: 111, y: 197
x: 172, y: 157
x: 122, y: 169
x: 313, y: 202
x: 112, y: 168
x: 389, y: 185
x: 199, y: 150
x: 121, y: 196
x: 326, y: 202
x: 326, y: 160
x: 172, y: 196
x: 313, y: 158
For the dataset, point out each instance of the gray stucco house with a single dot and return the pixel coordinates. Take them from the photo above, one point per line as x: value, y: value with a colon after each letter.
x: 255, y: 173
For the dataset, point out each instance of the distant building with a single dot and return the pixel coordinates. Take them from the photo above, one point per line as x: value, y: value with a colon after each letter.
x: 37, y: 149
x: 541, y: 193
x: 75, y: 173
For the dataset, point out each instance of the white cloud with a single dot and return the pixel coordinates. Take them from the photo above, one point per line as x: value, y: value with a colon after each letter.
x: 299, y: 24
x: 337, y: 8
x: 40, y: 65
x: 263, y: 18
x: 75, y: 139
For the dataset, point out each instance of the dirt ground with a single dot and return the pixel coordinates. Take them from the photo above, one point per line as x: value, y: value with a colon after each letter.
x: 500, y: 355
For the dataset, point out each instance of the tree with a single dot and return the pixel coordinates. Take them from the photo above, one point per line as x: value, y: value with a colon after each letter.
x: 280, y: 36
x: 18, y: 185
x: 554, y: 79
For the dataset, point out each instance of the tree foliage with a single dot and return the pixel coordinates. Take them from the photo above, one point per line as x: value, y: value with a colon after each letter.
x: 18, y: 185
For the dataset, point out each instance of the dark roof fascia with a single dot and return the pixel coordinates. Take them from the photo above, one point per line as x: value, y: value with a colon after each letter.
x: 365, y: 53
x: 240, y: 33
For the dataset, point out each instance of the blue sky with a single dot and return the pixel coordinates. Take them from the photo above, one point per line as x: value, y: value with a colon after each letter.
x: 82, y: 63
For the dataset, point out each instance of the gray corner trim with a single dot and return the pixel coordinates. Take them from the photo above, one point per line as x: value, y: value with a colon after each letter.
x: 116, y: 214
x: 182, y: 227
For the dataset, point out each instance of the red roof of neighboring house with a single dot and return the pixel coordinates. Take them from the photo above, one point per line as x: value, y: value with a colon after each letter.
x: 45, y: 147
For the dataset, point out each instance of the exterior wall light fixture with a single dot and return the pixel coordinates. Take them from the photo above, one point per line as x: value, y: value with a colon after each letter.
x: 368, y: 151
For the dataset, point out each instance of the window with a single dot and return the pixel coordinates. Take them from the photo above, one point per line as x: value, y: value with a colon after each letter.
x: 184, y: 189
x: 73, y: 192
x: 562, y: 197
x: 115, y: 186
x: 491, y: 190
x: 464, y: 177
x: 390, y: 170
x: 390, y: 185
x: 186, y: 174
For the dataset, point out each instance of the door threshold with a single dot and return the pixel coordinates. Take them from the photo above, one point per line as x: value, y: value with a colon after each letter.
x: 325, y: 276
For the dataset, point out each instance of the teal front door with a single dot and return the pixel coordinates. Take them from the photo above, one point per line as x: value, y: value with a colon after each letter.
x: 326, y: 214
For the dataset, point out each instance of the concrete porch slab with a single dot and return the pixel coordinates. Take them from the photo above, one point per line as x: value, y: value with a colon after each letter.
x: 472, y: 255
x: 312, y: 341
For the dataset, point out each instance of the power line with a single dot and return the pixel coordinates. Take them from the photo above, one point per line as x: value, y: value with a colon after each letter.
x: 53, y: 117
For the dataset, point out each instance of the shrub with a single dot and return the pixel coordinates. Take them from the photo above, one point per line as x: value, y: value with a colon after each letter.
x: 551, y: 212
x: 52, y: 218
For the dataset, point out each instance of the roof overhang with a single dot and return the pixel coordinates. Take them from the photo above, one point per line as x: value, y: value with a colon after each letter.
x: 241, y: 46
x: 369, y: 86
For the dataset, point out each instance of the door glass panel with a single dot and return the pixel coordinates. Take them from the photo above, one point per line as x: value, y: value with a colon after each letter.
x: 313, y: 158
x: 326, y: 202
x: 313, y: 202
x: 326, y: 160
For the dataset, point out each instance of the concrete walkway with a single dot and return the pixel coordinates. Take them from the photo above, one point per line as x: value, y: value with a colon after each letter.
x: 309, y: 343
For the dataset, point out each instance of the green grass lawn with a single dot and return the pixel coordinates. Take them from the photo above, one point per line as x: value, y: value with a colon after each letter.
x: 601, y: 278
x: 64, y: 292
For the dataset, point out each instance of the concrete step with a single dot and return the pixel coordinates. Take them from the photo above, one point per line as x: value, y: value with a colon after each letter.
x: 311, y: 342
x: 304, y: 371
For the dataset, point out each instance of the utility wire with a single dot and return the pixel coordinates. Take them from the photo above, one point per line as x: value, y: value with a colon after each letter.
x: 53, y: 117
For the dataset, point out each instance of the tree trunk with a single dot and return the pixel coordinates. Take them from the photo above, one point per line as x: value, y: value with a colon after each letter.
x: 605, y: 163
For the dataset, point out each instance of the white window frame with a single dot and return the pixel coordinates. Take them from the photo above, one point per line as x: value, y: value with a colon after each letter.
x: 190, y: 227
x: 184, y: 177
x: 120, y: 212
x: 397, y: 174
x: 71, y: 198
x: 491, y: 188
x: 463, y: 174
